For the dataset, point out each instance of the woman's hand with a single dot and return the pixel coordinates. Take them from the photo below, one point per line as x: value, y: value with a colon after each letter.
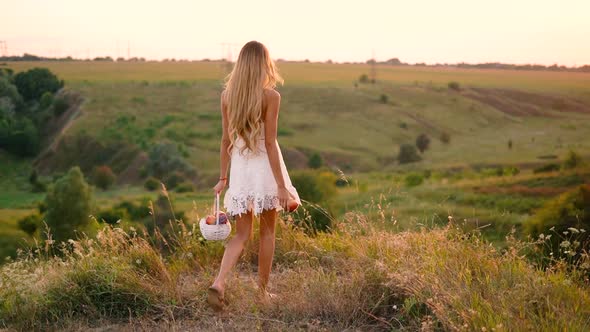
x: 283, y: 195
x: 220, y: 186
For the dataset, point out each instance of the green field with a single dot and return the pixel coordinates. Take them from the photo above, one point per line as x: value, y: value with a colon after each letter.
x: 349, y: 124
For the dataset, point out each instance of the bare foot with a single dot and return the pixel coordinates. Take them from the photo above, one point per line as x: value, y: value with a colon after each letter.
x: 267, y: 297
x: 216, y: 299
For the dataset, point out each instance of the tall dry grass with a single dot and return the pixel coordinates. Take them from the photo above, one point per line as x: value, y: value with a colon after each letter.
x: 354, y: 277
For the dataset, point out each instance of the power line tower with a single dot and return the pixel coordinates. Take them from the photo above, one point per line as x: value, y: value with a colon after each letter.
x: 227, y: 51
x: 373, y: 69
x: 3, y: 48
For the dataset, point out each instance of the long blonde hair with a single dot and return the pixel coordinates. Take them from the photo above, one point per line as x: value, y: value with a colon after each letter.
x: 253, y: 72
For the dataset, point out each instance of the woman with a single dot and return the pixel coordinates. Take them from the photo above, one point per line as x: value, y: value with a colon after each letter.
x: 259, y: 183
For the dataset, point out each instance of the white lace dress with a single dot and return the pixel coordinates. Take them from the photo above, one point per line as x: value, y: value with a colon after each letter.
x: 251, y: 182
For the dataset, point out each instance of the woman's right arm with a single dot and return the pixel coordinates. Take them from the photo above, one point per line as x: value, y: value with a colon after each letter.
x: 224, y: 156
x: 270, y: 140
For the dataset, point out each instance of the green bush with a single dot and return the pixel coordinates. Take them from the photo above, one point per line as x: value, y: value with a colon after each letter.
x: 29, y: 224
x: 572, y: 160
x: 112, y: 216
x: 384, y: 99
x: 315, y: 161
x: 454, y: 86
x: 408, y: 154
x: 136, y: 211
x: 316, y: 189
x: 103, y: 177
x: 174, y: 179
x: 69, y: 203
x: 413, y: 180
x: 46, y: 100
x: 60, y: 106
x: 547, y: 168
x: 151, y: 183
x: 568, y: 217
x: 445, y: 138
x: 185, y: 187
x: 364, y: 78
x: 164, y: 158
x: 570, y: 209
x: 33, y: 83
x: 422, y: 142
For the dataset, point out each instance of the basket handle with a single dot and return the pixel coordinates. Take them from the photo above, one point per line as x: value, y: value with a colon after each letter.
x: 216, y: 208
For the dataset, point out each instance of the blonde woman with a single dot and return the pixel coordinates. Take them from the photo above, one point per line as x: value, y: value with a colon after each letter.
x: 258, y: 181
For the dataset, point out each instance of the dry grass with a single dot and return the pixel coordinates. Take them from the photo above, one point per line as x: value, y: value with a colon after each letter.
x: 353, y: 278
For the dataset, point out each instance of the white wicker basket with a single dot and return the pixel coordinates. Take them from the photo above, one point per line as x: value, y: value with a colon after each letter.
x: 217, y: 231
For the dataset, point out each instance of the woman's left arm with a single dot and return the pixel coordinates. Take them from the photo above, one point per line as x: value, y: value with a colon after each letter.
x: 224, y: 156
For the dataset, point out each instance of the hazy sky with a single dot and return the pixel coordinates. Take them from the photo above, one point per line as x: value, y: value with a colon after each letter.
x: 512, y: 31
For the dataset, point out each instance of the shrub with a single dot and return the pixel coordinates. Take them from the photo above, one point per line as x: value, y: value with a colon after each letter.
x: 383, y: 98
x: 413, y: 180
x: 103, y: 177
x: 174, y: 179
x: 68, y: 205
x: 445, y: 137
x: 20, y: 138
x: 511, y: 171
x: 568, y: 213
x: 570, y: 209
x: 364, y: 78
x: 112, y: 216
x: 185, y: 187
x: 408, y: 154
x: 403, y: 125
x: 547, y: 168
x: 454, y: 86
x: 314, y: 186
x: 29, y: 224
x: 136, y: 211
x: 164, y: 158
x: 572, y: 160
x: 151, y: 183
x: 33, y: 83
x: 422, y: 142
x: 46, y: 100
x: 60, y: 106
x: 315, y: 161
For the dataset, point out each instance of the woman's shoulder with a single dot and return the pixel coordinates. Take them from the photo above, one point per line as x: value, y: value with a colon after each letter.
x: 271, y: 94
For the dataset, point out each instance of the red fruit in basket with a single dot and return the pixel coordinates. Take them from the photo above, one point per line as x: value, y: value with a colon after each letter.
x: 210, y: 220
x: 292, y: 205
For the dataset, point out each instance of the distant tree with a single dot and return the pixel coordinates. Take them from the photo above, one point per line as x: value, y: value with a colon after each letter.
x: 510, y: 144
x: 33, y: 83
x: 408, y: 154
x: 315, y: 161
x: 9, y: 95
x: 454, y: 86
x: 383, y: 98
x: 422, y: 142
x: 445, y: 138
x: 103, y: 177
x: 364, y: 78
x: 19, y: 137
x: 69, y: 203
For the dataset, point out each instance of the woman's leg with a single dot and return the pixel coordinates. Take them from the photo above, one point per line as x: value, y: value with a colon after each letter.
x: 267, y: 246
x: 234, y: 249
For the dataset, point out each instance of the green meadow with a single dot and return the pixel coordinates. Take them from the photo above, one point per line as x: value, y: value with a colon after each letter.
x: 504, y: 146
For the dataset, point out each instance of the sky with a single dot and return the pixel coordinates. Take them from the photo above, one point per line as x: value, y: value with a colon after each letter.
x: 433, y: 31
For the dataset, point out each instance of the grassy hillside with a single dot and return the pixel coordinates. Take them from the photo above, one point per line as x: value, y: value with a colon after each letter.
x: 322, y: 111
x: 354, y: 278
